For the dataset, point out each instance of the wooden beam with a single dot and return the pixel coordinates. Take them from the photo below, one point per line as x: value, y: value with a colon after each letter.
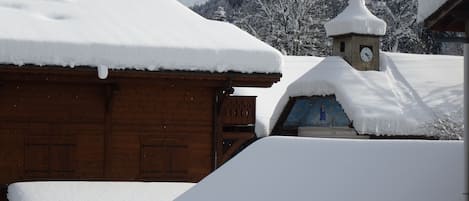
x: 88, y: 74
x: 452, y: 39
x: 239, y: 139
x: 109, y: 91
x: 451, y: 16
x: 221, y: 95
x: 443, y: 17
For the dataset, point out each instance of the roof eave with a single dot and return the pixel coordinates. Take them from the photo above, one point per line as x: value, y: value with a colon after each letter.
x: 451, y: 16
x: 89, y: 74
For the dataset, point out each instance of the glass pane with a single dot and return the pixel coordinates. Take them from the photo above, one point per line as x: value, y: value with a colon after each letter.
x: 316, y: 112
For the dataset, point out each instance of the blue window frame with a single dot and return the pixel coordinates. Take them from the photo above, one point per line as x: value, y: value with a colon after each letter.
x: 317, y: 111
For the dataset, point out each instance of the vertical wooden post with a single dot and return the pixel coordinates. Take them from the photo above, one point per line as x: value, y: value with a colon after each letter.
x: 219, y: 149
x: 108, y: 92
x: 221, y: 95
x: 215, y: 129
x: 218, y: 134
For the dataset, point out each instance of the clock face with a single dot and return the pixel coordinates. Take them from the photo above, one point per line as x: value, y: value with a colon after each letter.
x: 366, y: 54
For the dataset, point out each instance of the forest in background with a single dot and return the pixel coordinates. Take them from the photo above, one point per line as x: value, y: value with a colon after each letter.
x: 296, y: 27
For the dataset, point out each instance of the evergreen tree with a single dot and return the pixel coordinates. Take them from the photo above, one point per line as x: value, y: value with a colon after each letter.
x: 219, y: 14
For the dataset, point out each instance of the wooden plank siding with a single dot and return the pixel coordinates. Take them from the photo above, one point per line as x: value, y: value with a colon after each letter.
x: 54, y: 124
x: 151, y: 118
x: 65, y: 124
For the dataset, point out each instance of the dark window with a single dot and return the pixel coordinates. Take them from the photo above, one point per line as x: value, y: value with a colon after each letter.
x: 342, y: 46
x: 316, y: 111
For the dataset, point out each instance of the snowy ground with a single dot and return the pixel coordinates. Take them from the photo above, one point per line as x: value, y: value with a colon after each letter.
x: 305, y: 169
x: 294, y: 168
x: 95, y: 191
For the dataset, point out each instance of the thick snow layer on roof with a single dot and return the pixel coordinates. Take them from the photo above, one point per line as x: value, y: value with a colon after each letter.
x: 436, y: 81
x: 356, y: 18
x: 117, y: 34
x: 410, y: 92
x: 95, y: 191
x: 270, y: 102
x: 427, y: 8
x: 301, y: 169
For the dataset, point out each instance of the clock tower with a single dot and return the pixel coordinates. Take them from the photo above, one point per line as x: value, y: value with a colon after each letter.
x: 356, y: 33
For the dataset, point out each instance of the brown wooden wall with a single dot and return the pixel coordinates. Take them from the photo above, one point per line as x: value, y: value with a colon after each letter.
x: 168, y: 128
x: 121, y: 131
x: 65, y: 124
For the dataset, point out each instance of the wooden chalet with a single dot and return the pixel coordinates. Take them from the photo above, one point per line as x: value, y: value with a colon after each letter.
x: 59, y: 121
x: 66, y: 124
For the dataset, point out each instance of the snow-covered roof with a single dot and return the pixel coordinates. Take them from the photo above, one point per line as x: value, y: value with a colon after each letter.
x: 302, y: 169
x: 409, y: 92
x: 427, y: 8
x: 144, y: 35
x: 97, y: 191
x: 356, y: 18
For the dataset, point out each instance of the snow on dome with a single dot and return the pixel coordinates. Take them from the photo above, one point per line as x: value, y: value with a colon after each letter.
x: 121, y: 34
x: 356, y: 18
x: 427, y: 8
x: 401, y: 99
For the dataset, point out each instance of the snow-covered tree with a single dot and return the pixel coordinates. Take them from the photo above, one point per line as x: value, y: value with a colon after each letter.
x: 403, y: 33
x: 448, y: 126
x: 219, y: 14
x: 296, y: 27
x: 209, y: 8
x: 400, y: 19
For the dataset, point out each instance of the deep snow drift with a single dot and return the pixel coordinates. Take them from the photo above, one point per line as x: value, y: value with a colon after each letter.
x: 410, y: 92
x: 305, y: 169
x: 96, y: 191
x: 116, y: 34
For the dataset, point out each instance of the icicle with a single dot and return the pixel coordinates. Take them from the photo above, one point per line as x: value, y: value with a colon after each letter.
x: 102, y: 72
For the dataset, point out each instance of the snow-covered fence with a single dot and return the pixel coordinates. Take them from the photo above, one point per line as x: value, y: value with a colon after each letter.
x: 96, y: 191
x: 304, y: 169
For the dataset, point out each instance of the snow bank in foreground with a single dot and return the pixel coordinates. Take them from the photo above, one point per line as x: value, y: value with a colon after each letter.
x: 144, y: 35
x: 356, y: 18
x: 409, y: 93
x: 304, y: 169
x: 95, y: 191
